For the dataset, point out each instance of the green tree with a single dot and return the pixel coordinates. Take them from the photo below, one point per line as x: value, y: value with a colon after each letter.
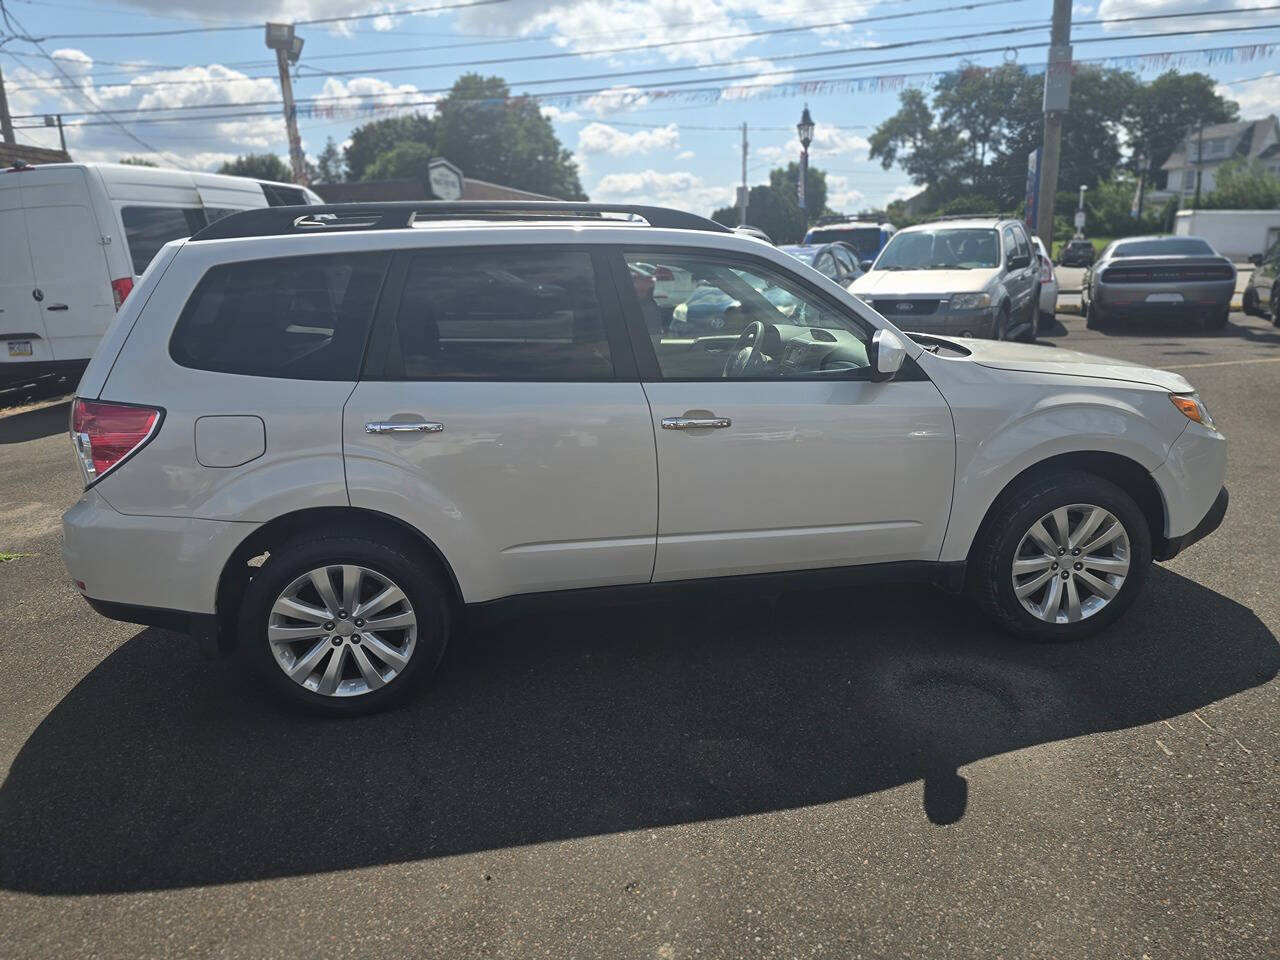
x: 370, y: 141
x: 1243, y: 186
x: 406, y: 160
x: 260, y: 166
x: 329, y: 166
x: 493, y: 136
x: 774, y: 208
x: 138, y: 162
x: 1160, y: 114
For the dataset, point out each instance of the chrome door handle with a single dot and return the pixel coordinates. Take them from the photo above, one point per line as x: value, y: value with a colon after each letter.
x: 402, y: 426
x: 56, y: 306
x: 688, y: 423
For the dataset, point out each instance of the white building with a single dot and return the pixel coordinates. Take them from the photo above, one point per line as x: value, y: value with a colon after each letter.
x: 1246, y: 140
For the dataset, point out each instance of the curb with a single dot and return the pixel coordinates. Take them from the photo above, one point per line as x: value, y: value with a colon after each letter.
x: 1074, y: 307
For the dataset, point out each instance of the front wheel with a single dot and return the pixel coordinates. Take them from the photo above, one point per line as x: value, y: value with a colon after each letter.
x: 1060, y: 558
x: 344, y: 625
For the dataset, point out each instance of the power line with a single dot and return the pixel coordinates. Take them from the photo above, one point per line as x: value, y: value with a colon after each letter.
x: 897, y: 45
x: 134, y: 34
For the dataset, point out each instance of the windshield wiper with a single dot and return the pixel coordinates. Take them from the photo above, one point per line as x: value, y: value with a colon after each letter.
x: 946, y: 266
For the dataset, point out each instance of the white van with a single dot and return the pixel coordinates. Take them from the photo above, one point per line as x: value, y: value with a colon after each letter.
x: 74, y: 237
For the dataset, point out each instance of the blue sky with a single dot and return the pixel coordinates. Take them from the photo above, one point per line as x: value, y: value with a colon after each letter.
x: 660, y: 143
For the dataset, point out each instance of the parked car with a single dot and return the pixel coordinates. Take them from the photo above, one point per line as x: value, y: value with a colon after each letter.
x: 76, y: 238
x: 1262, y: 293
x: 670, y: 287
x: 971, y: 277
x: 1076, y: 253
x: 1048, y: 283
x: 866, y: 237
x: 836, y: 261
x: 1162, y: 277
x: 322, y: 435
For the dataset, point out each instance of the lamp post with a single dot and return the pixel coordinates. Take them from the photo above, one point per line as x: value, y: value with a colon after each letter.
x: 288, y: 47
x: 804, y: 130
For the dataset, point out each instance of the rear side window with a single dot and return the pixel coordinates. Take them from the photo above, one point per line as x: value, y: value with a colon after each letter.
x: 149, y: 228
x: 497, y: 314
x: 300, y: 318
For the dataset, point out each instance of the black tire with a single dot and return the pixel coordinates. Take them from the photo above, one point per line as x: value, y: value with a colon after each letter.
x: 1275, y: 305
x: 1217, y: 320
x: 1093, y: 317
x: 425, y: 593
x: 1001, y: 329
x: 990, y: 571
x: 1251, y: 306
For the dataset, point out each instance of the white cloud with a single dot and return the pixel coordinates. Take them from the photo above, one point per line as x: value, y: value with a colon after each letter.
x: 828, y: 142
x: 841, y: 197
x: 558, y: 115
x: 900, y: 193
x: 615, y: 100
x: 685, y: 155
x: 679, y: 189
x: 1256, y: 99
x: 598, y: 137
x: 365, y: 89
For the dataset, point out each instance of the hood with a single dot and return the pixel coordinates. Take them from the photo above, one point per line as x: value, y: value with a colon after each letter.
x: 907, y: 283
x: 1004, y: 355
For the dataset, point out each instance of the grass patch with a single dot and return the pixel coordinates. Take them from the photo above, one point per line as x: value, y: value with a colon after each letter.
x: 6, y: 557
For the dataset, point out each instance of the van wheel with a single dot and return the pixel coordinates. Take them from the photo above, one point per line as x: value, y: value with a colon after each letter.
x: 343, y: 626
x: 1060, y: 558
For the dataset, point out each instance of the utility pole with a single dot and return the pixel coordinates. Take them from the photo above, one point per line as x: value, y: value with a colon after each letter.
x: 742, y: 197
x: 6, y: 122
x: 288, y: 47
x: 1199, y: 162
x: 1057, y: 94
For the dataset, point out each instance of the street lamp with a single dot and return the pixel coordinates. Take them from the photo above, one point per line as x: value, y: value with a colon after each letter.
x: 288, y: 47
x: 804, y: 130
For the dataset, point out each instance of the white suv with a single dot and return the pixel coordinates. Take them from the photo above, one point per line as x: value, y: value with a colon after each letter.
x: 319, y: 435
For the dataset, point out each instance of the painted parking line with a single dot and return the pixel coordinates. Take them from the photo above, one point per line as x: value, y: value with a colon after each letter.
x: 1220, y: 363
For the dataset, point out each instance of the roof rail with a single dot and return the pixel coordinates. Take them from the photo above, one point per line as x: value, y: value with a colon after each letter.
x: 975, y: 216
x: 398, y: 215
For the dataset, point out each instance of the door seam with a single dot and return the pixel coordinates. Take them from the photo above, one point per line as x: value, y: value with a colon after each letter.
x: 657, y: 483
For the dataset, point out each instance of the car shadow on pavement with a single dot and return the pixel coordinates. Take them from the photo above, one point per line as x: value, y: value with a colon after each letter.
x: 1182, y: 327
x: 35, y: 424
x: 160, y: 770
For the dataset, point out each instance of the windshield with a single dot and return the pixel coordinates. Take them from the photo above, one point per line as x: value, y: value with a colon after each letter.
x: 944, y: 249
x: 803, y: 254
x: 866, y: 240
x: 1164, y: 247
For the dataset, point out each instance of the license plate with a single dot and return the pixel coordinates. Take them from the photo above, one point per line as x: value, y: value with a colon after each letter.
x: 1164, y: 298
x: 19, y: 348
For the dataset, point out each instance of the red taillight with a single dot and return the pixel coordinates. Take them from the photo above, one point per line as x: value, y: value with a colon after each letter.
x: 1046, y: 272
x: 662, y: 273
x: 120, y: 289
x: 104, y: 434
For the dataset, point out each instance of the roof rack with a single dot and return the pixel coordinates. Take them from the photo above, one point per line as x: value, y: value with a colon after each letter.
x: 399, y: 215
x: 975, y: 216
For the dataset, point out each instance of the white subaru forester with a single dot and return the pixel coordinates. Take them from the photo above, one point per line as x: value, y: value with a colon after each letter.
x: 320, y: 435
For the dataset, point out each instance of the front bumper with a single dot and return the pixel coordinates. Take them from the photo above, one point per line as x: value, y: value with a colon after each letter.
x: 1170, y: 547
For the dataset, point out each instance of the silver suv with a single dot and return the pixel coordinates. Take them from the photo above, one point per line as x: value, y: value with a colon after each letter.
x: 963, y: 276
x: 320, y: 435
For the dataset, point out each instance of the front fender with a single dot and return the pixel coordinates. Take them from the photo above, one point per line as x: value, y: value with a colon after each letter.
x: 993, y: 446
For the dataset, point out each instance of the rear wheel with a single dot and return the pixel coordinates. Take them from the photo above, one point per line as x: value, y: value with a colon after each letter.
x: 343, y: 625
x: 1060, y: 558
x: 1093, y: 316
x: 1275, y: 305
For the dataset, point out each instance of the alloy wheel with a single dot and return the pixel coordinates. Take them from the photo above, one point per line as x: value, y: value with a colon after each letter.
x: 342, y: 630
x: 1071, y: 563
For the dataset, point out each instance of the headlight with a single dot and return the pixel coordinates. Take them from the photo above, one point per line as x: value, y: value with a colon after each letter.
x: 1192, y: 408
x: 970, y: 301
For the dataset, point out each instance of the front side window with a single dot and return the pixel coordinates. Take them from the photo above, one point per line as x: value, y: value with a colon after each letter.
x: 300, y: 318
x: 746, y: 320
x: 498, y: 314
x: 147, y: 229
x: 944, y: 248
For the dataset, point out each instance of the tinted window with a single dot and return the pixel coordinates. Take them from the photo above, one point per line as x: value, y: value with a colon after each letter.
x: 942, y: 248
x: 1164, y: 247
x: 866, y: 240
x: 500, y: 314
x: 1024, y: 249
x: 825, y: 265
x: 279, y: 196
x: 302, y: 318
x: 845, y: 260
x: 147, y: 229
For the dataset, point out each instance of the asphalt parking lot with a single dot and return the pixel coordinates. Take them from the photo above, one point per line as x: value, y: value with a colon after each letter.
x: 870, y: 773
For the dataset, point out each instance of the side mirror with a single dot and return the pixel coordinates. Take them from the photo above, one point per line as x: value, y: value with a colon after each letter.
x: 886, y: 354
x: 1255, y: 259
x: 865, y: 265
x: 1019, y: 262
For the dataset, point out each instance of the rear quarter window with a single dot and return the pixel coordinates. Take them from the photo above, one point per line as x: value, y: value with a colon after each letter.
x: 299, y: 318
x: 147, y: 229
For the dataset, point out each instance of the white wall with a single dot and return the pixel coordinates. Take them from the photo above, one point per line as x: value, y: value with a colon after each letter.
x: 1234, y: 233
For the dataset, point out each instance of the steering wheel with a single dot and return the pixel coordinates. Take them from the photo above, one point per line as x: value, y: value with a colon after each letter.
x: 747, y: 358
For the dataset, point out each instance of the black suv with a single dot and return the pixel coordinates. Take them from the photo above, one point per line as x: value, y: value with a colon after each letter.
x: 1076, y: 253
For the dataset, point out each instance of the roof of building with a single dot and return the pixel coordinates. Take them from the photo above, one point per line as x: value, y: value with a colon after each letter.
x: 10, y: 153
x: 1252, y: 142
